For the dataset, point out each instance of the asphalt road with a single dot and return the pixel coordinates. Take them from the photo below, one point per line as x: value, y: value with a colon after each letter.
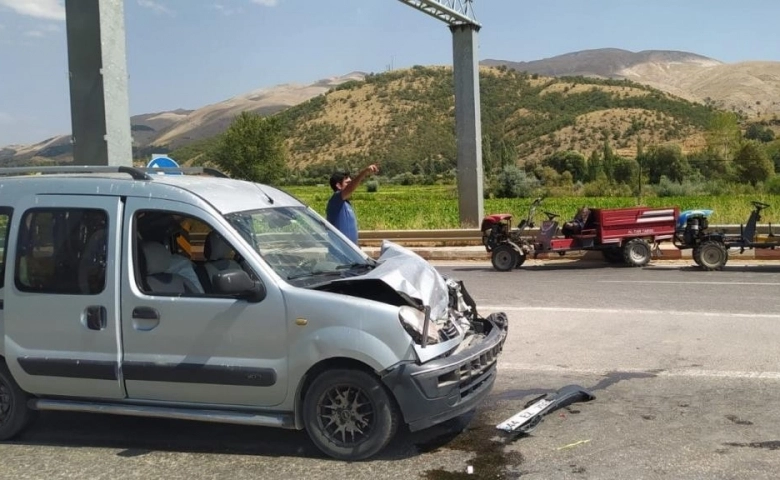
x: 683, y: 364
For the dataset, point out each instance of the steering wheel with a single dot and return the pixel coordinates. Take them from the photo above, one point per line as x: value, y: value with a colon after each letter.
x: 760, y: 205
x: 551, y: 216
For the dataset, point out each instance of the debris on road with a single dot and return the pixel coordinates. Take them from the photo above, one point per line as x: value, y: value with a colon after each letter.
x: 571, y: 445
x: 527, y: 419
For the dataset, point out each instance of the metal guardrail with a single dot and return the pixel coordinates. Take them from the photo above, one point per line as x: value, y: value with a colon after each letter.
x: 473, y: 236
x: 466, y: 237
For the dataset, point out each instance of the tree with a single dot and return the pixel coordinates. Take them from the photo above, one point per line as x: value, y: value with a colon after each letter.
x: 757, y: 132
x: 752, y: 163
x: 625, y: 170
x: 595, y: 168
x: 513, y: 182
x: 568, y: 161
x: 773, y: 152
x: 723, y: 135
x: 252, y: 148
x: 664, y: 161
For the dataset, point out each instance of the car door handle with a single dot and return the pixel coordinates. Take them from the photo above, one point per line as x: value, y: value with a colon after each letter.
x: 146, y: 313
x: 96, y: 317
x: 145, y: 318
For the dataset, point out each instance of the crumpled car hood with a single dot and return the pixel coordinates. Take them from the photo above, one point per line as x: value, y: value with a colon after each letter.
x: 408, y: 273
x: 401, y: 277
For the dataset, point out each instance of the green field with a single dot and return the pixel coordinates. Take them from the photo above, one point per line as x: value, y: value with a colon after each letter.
x: 436, y: 207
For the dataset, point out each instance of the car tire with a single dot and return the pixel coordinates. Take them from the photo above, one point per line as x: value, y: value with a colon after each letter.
x: 504, y: 258
x: 636, y: 252
x: 15, y: 415
x: 713, y: 255
x: 349, y: 414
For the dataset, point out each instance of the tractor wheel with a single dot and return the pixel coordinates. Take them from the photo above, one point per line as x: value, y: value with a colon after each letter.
x: 713, y: 255
x: 504, y: 258
x: 613, y: 255
x: 636, y: 252
x: 697, y: 255
x: 520, y: 260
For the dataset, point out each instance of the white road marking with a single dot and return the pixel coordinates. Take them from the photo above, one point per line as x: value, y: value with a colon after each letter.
x: 625, y: 311
x: 674, y: 373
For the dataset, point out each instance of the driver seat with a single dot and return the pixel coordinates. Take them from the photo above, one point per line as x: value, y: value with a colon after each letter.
x: 218, y: 258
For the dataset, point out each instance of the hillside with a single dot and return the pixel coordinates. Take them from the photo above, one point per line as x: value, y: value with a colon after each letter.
x: 749, y: 88
x: 405, y: 120
x: 572, y: 101
x: 167, y: 130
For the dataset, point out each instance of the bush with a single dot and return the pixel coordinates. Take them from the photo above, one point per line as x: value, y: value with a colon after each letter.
x: 372, y: 186
x: 773, y: 185
x: 513, y: 182
x: 686, y: 188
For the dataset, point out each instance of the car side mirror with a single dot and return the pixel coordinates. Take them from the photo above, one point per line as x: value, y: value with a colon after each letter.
x: 238, y: 283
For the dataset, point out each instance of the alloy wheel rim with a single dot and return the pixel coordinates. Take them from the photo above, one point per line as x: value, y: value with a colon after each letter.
x: 346, y: 415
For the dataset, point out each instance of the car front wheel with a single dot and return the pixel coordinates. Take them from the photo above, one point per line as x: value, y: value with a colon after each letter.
x: 349, y: 414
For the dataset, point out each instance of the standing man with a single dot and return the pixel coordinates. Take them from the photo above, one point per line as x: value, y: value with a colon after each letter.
x: 339, y: 210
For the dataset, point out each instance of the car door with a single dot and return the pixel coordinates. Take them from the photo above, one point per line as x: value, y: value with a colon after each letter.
x: 61, y: 296
x: 198, y: 348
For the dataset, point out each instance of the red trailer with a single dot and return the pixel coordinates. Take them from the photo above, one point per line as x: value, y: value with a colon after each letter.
x: 623, y: 235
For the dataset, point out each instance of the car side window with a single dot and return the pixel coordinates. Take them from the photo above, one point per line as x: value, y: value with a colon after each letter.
x: 62, y: 251
x: 5, y: 224
x: 179, y: 255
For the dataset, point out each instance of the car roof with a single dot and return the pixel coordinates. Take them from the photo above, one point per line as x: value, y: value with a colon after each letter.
x: 224, y: 194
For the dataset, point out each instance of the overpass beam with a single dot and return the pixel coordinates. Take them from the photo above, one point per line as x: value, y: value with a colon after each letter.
x: 468, y: 124
x: 97, y: 64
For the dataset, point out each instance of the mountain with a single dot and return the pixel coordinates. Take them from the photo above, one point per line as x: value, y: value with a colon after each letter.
x: 168, y: 130
x: 404, y: 120
x: 604, y: 62
x: 750, y: 88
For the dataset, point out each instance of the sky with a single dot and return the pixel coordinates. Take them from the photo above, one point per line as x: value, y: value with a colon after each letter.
x: 191, y: 53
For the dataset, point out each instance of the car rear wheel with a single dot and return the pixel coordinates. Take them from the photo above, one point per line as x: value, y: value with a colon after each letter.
x: 349, y: 414
x: 504, y: 258
x: 15, y: 415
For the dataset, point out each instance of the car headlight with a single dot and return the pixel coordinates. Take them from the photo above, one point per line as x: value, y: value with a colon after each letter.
x: 413, y: 321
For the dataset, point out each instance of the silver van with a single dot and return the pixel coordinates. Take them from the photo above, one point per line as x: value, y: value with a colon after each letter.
x: 194, y: 296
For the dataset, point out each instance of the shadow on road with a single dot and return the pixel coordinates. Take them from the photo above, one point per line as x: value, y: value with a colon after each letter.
x: 137, y: 436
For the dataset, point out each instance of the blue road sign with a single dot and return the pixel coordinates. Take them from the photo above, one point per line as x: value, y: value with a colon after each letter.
x: 164, y: 162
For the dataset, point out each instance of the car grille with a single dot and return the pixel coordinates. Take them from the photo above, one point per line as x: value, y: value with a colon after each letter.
x: 472, y: 373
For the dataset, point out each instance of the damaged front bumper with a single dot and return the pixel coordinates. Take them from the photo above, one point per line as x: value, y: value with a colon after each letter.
x: 444, y: 388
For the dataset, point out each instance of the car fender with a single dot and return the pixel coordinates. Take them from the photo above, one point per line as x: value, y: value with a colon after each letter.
x: 344, y: 342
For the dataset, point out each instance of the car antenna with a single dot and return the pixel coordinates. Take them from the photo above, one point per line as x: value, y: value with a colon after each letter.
x: 270, y: 200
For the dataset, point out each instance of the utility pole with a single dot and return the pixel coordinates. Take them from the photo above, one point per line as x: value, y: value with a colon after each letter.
x: 459, y: 15
x: 97, y: 65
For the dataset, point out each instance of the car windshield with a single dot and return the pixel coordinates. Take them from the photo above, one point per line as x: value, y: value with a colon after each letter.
x: 299, y: 245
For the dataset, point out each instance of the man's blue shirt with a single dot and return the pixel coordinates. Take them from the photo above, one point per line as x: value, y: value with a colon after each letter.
x: 340, y: 214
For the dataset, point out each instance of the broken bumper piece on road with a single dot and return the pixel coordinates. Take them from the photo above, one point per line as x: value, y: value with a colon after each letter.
x: 527, y: 419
